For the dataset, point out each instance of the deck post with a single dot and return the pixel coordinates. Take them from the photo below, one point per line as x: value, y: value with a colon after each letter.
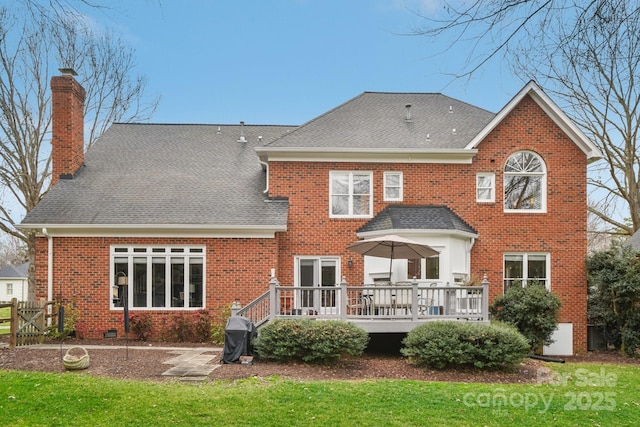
x: 414, y: 300
x: 485, y: 297
x: 273, y: 298
x: 343, y: 298
x: 235, y: 308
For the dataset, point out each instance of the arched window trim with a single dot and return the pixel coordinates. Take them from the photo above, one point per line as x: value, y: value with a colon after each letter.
x: 525, y: 171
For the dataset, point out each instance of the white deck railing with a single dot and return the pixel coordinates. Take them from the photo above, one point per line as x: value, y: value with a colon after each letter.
x: 400, y: 301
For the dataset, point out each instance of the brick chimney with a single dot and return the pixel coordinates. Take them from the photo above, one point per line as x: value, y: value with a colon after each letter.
x: 67, y: 116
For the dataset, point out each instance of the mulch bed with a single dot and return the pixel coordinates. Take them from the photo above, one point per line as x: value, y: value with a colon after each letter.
x: 147, y: 364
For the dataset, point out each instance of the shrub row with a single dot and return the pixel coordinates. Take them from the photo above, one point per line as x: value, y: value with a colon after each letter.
x: 447, y: 344
x: 181, y: 327
x: 310, y: 340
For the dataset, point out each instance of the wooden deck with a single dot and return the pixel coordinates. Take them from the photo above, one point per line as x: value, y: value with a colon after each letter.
x: 378, y: 309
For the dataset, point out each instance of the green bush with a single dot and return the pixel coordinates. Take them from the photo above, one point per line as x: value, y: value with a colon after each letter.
x: 532, y: 309
x: 69, y: 322
x: 310, y: 340
x: 217, y: 328
x: 614, y: 296
x: 450, y: 344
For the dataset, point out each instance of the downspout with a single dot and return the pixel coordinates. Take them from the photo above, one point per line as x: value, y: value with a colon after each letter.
x: 472, y: 242
x: 49, y: 265
x: 266, y: 167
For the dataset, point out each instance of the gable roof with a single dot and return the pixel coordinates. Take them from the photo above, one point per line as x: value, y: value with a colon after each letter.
x: 380, y: 124
x: 162, y: 176
x: 14, y: 271
x: 552, y: 110
x: 399, y: 218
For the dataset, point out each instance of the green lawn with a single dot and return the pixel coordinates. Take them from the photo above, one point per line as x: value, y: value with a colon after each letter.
x: 5, y: 313
x: 582, y: 395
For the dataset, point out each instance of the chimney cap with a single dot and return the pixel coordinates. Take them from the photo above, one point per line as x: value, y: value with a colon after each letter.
x: 68, y: 71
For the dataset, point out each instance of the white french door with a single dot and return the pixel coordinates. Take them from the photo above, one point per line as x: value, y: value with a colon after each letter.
x: 320, y: 275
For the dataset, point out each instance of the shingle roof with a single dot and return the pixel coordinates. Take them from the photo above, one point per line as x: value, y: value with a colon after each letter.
x: 417, y: 217
x: 168, y: 174
x: 14, y: 271
x: 379, y: 120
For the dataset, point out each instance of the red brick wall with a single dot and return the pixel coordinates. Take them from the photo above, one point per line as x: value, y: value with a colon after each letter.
x: 67, y: 136
x: 236, y: 269
x: 561, y: 231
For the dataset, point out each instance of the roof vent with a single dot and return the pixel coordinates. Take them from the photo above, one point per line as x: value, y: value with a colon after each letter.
x: 260, y: 138
x: 451, y: 108
x: 242, y: 137
x: 218, y: 132
x: 453, y: 131
x: 408, y: 116
x: 428, y: 137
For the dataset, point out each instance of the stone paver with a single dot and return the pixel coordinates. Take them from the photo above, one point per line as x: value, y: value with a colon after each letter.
x: 191, y: 365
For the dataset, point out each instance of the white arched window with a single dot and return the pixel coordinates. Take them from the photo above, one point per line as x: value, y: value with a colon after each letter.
x: 525, y: 183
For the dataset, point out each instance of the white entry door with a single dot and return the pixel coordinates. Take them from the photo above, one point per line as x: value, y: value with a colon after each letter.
x: 320, y: 276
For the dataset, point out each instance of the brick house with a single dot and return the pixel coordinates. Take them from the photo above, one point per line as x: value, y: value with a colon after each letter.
x: 200, y: 216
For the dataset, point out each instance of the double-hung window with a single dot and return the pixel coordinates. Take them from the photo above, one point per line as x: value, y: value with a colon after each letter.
x: 525, y: 183
x: 485, y: 187
x: 157, y: 277
x: 351, y: 194
x: 521, y: 269
x: 393, y: 186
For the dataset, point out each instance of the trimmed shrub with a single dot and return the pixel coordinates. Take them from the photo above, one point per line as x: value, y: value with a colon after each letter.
x: 310, y: 340
x: 189, y: 327
x: 532, y: 309
x: 450, y: 344
x: 141, y: 325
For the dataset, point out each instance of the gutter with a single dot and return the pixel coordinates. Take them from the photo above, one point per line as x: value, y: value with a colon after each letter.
x: 266, y: 167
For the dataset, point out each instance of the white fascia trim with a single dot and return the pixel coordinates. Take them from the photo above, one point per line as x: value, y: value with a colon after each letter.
x: 157, y: 230
x: 380, y: 155
x: 418, y: 232
x: 551, y: 108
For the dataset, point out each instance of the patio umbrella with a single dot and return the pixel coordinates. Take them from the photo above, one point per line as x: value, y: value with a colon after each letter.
x: 392, y: 247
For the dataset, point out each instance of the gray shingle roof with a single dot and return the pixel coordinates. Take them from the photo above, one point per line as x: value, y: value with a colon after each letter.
x: 14, y: 271
x: 378, y: 120
x: 417, y: 217
x: 167, y: 174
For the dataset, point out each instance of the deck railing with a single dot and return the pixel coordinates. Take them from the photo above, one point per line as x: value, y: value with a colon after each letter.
x: 402, y: 301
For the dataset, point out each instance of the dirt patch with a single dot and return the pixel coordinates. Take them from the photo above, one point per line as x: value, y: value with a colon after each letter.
x: 148, y: 364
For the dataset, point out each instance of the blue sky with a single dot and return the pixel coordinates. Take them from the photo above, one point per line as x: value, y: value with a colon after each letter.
x: 288, y: 61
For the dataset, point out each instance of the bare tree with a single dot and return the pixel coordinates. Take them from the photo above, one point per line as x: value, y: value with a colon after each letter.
x: 13, y: 251
x: 584, y: 52
x: 32, y: 40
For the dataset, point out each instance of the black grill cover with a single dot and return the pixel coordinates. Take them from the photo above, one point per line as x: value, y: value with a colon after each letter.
x: 238, y: 335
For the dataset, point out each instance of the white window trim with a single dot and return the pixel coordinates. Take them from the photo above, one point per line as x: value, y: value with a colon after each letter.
x: 543, y: 189
x: 492, y: 187
x: 525, y: 256
x: 400, y: 186
x: 350, y: 209
x: 132, y: 251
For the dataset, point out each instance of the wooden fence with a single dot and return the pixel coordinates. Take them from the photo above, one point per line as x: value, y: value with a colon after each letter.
x: 28, y: 322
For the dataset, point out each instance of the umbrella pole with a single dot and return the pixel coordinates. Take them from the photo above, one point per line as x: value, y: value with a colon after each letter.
x: 391, y: 262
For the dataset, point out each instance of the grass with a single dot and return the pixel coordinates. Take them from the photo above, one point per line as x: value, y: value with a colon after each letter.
x: 5, y: 313
x: 581, y: 395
